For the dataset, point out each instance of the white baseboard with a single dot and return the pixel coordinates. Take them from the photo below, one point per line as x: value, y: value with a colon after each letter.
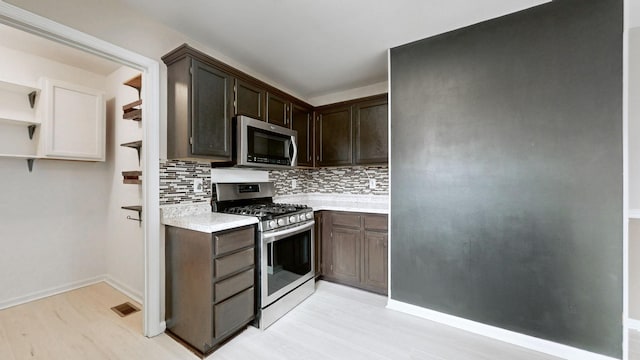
x: 49, y: 292
x: 511, y: 337
x: 125, y: 289
x: 633, y: 324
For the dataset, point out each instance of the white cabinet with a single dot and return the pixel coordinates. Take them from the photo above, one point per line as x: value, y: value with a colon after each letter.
x: 72, y: 122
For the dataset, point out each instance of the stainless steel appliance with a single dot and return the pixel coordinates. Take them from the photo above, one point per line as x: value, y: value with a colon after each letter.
x: 262, y: 144
x: 286, y: 246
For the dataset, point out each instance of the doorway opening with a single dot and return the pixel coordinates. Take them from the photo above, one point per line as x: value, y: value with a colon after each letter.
x: 132, y: 62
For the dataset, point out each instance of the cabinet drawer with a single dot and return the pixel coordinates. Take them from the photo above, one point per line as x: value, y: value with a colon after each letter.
x: 232, y: 313
x: 229, y: 264
x: 233, y: 285
x: 375, y: 222
x: 345, y: 219
x: 233, y: 240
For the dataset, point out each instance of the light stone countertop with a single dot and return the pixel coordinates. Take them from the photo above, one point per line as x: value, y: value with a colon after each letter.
x: 198, y: 217
x: 377, y: 204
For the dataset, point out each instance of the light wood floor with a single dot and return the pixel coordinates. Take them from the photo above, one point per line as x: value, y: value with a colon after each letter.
x: 634, y: 345
x: 337, y: 322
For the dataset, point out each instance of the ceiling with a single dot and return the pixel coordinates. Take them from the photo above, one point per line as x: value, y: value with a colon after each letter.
x: 13, y: 38
x: 313, y: 47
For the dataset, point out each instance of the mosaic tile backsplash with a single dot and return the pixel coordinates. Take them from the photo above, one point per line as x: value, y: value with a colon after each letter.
x: 176, y: 181
x: 353, y: 180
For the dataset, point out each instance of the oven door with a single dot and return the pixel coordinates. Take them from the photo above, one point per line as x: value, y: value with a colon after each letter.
x: 286, y: 261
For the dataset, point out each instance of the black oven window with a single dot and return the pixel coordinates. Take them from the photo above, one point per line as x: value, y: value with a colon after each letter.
x: 288, y: 260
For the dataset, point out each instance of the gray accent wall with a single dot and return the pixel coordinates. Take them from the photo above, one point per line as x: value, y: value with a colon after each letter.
x: 506, y: 173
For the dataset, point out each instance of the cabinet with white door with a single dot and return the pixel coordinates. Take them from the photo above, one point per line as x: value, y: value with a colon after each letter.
x: 72, y: 122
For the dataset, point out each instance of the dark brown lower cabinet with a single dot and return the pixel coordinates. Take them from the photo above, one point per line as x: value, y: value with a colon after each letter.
x: 354, y: 249
x: 210, y: 281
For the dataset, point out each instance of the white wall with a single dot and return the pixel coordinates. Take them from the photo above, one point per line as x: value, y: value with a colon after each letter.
x: 375, y: 89
x: 634, y: 172
x: 127, y: 27
x: 52, y: 221
x: 125, y: 238
x: 119, y: 24
x: 634, y: 118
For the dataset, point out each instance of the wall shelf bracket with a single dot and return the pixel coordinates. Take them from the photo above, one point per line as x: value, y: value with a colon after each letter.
x: 134, y: 145
x: 32, y: 99
x: 30, y: 164
x: 138, y: 209
x: 32, y: 129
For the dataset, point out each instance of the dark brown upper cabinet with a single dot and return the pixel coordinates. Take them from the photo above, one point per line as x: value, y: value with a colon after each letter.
x: 334, y: 135
x: 203, y: 94
x: 199, y: 110
x: 353, y: 132
x: 371, y: 132
x: 249, y: 100
x: 277, y: 110
x: 211, y: 127
x: 302, y: 122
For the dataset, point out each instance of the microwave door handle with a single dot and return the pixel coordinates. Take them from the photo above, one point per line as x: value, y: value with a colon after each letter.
x: 295, y: 150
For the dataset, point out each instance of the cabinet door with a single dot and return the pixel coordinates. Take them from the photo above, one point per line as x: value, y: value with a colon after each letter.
x: 345, y: 265
x: 334, y: 137
x: 74, y: 122
x: 371, y: 130
x: 211, y: 111
x: 249, y: 100
x: 301, y: 121
x: 277, y: 110
x: 375, y: 261
x: 189, y: 294
x: 233, y: 313
x: 317, y: 217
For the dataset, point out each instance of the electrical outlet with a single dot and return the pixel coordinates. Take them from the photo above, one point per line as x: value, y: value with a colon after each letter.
x: 372, y: 183
x: 294, y: 183
x: 197, y: 186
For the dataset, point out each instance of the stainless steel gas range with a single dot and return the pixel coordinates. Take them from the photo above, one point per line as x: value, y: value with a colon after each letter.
x: 286, y: 246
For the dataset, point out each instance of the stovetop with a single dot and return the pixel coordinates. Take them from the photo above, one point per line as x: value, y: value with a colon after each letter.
x: 265, y: 211
x: 256, y: 199
x: 272, y: 216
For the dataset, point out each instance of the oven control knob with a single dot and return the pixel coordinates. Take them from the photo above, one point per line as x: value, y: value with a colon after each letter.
x: 282, y: 221
x: 292, y: 219
x: 309, y: 216
x: 272, y: 224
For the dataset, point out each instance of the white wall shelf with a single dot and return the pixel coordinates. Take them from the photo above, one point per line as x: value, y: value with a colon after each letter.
x: 31, y: 91
x: 29, y: 158
x: 16, y: 112
x: 22, y: 88
x: 26, y: 90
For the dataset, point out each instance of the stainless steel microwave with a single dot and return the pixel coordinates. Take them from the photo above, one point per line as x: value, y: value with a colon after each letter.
x: 261, y: 144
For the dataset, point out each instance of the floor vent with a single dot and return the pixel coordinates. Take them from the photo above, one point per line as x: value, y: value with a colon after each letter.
x: 125, y: 309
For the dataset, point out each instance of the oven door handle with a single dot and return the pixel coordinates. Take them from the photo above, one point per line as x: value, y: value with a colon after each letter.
x: 277, y: 235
